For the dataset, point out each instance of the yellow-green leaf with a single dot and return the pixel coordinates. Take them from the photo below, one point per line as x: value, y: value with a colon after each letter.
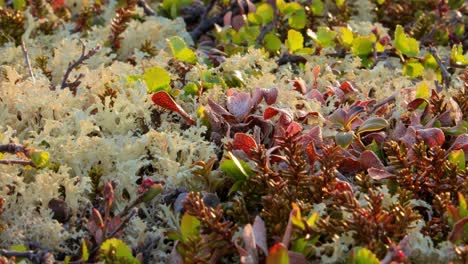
x: 266, y: 12
x: 180, y: 50
x: 312, y: 219
x: 157, y: 79
x: 362, y: 46
x: 457, y: 57
x: 190, y: 227
x: 117, y: 249
x: 19, y: 4
x: 317, y: 7
x: 364, y: 256
x: 344, y: 138
x: 406, y: 45
x: 295, y: 40
x: 413, y: 69
x: 345, y: 36
x: 324, y: 37
x: 296, y: 217
x: 236, y: 168
x: 84, y: 251
x: 272, y: 42
x: 457, y: 157
x: 40, y: 159
x: 423, y: 90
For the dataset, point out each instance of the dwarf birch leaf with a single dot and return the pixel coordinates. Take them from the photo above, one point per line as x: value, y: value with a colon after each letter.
x: 19, y: 4
x: 266, y: 12
x: 189, y: 227
x: 362, y: 46
x: 317, y: 7
x: 456, y: 55
x: 272, y: 42
x: 118, y: 250
x: 406, y: 45
x: 180, y: 50
x: 40, y: 159
x: 295, y: 40
x: 157, y: 79
x: 413, y: 69
x: 324, y: 37
x: 339, y: 3
x: 423, y: 91
x: 364, y: 256
x: 345, y: 36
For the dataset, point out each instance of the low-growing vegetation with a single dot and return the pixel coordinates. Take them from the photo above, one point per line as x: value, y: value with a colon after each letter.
x: 247, y: 131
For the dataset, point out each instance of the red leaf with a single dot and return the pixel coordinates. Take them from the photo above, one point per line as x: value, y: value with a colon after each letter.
x: 432, y: 136
x: 278, y: 254
x: 368, y: 159
x: 227, y: 18
x: 316, y: 71
x: 300, y: 85
x: 458, y: 230
x: 164, y: 100
x: 347, y: 87
x: 293, y: 128
x: 244, y: 142
x: 379, y: 174
x: 413, y: 105
x: 460, y: 143
x: 57, y: 3
x: 237, y: 22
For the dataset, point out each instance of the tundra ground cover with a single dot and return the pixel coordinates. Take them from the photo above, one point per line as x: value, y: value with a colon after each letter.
x: 233, y: 131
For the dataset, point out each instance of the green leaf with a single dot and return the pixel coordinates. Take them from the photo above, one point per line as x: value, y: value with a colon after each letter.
x: 340, y: 3
x: 157, y: 79
x: 278, y: 254
x: 40, y: 159
x: 344, y: 139
x: 423, y: 90
x: 295, y: 40
x: 380, y: 2
x: 180, y: 50
x: 272, y: 42
x: 406, y: 45
x: 266, y: 12
x: 345, y: 36
x: 372, y: 124
x: 324, y: 37
x: 298, y: 20
x: 84, y: 251
x: 457, y: 157
x: 457, y: 57
x: 19, y: 4
x: 317, y: 7
x: 235, y: 168
x: 413, y: 69
x: 190, y: 227
x: 117, y: 250
x: 362, y: 46
x: 191, y: 88
x: 455, y: 4
x: 67, y: 260
x: 364, y: 256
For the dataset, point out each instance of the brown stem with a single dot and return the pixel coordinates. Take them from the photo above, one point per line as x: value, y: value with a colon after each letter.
x: 443, y: 68
x: 20, y: 162
x: 74, y: 64
x: 13, y: 148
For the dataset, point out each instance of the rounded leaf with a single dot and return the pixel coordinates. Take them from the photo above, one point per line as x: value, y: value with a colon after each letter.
x: 372, y: 124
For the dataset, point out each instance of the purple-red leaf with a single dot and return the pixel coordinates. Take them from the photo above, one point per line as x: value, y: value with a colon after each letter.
x: 238, y: 103
x: 431, y: 136
x: 458, y: 230
x: 379, y: 174
x: 164, y: 100
x: 369, y: 159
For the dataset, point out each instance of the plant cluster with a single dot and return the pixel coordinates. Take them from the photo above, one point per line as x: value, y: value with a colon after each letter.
x: 236, y: 131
